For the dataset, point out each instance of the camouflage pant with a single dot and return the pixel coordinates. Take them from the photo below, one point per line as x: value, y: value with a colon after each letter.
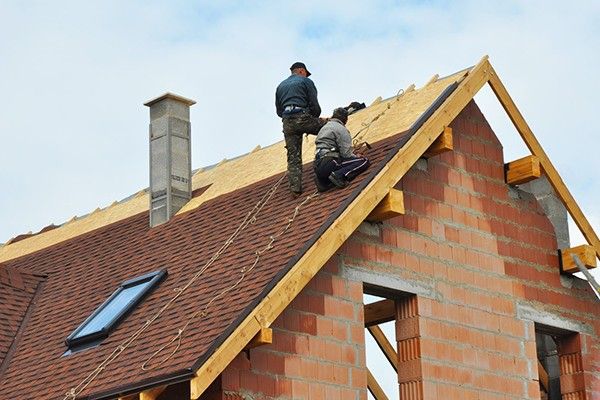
x: 293, y: 128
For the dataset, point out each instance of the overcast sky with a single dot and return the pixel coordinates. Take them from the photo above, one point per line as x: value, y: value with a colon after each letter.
x: 75, y: 74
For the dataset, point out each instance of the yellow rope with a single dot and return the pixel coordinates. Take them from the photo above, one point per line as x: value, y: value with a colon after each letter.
x: 249, y: 219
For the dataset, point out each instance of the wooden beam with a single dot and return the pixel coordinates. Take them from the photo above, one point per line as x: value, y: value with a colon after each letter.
x: 523, y: 170
x: 385, y: 345
x: 543, y: 376
x: 379, y: 312
x: 152, y: 394
x: 262, y: 337
x: 442, y: 144
x: 536, y: 149
x: 586, y: 254
x: 130, y: 397
x: 282, y: 294
x: 374, y: 387
x: 391, y: 206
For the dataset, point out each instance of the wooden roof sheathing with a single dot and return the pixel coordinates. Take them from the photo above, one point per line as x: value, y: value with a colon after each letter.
x: 395, y: 115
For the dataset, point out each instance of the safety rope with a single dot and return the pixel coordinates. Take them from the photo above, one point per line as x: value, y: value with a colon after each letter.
x: 250, y: 218
x: 366, y: 126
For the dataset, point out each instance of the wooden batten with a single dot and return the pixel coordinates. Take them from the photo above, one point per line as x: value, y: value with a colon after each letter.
x: 380, y: 312
x: 523, y: 170
x: 264, y: 336
x: 586, y: 254
x: 443, y: 143
x: 391, y: 206
x: 374, y: 387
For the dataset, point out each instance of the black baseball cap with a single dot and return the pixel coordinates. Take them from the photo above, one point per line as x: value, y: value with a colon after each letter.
x: 299, y: 64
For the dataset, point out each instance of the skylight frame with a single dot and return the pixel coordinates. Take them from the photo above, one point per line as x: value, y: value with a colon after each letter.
x: 150, y: 280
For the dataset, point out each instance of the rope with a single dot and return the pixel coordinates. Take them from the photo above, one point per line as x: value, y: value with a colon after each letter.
x: 250, y: 218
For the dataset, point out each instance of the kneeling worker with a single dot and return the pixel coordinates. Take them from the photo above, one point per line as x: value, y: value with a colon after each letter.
x: 335, y: 162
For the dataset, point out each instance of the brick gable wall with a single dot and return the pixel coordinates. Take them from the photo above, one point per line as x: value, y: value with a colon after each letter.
x: 479, y: 250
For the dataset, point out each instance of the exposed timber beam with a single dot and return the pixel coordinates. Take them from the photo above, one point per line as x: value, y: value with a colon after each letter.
x: 374, y: 387
x: 385, y: 345
x: 523, y: 170
x: 281, y: 295
x: 442, y: 144
x: 379, y: 312
x: 391, y: 206
x: 262, y: 337
x: 543, y: 376
x: 536, y: 149
x: 152, y: 394
x: 586, y: 254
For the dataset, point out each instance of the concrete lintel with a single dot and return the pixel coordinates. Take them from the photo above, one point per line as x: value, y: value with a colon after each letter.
x: 545, y: 317
x: 387, y: 281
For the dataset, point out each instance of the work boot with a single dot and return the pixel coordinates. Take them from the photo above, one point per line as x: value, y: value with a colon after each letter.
x: 337, y: 181
x: 323, y: 186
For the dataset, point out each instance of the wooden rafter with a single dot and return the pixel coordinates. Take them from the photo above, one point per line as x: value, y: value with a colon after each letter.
x: 374, y: 387
x: 523, y: 170
x: 586, y: 254
x: 385, y: 345
x: 536, y: 149
x: 391, y: 206
x: 317, y: 255
x: 262, y: 337
x: 379, y: 312
x: 442, y: 144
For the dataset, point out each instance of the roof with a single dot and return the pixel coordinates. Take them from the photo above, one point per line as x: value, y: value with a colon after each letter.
x: 236, y: 255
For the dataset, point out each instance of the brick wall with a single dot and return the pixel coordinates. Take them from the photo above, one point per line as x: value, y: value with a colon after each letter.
x: 317, y: 351
x: 481, y: 249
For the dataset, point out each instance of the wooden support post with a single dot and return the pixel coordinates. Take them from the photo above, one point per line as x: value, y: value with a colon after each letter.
x: 264, y: 336
x: 543, y: 376
x: 586, y: 254
x: 385, y: 345
x: 380, y: 312
x: 523, y: 170
x: 442, y: 144
x: 152, y: 394
x: 391, y: 206
x: 374, y: 387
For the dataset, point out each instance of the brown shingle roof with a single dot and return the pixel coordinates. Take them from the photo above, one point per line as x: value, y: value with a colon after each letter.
x: 83, y: 272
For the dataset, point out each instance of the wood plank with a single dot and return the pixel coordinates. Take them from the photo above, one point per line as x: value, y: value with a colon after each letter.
x: 152, y: 394
x: 442, y: 144
x: 523, y: 170
x: 536, y: 149
x: 391, y: 206
x: 271, y: 306
x: 586, y: 254
x: 374, y: 387
x: 379, y: 312
x: 262, y: 337
x: 385, y: 345
x: 543, y: 376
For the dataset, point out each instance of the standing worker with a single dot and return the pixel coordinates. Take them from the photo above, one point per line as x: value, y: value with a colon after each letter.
x: 335, y: 163
x: 297, y: 105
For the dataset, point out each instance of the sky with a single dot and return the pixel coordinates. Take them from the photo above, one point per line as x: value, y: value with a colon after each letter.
x: 74, y: 132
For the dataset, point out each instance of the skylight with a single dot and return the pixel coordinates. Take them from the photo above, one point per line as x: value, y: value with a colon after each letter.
x: 105, y: 318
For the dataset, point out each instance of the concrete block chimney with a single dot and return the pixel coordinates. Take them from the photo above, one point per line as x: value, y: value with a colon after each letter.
x: 170, y: 156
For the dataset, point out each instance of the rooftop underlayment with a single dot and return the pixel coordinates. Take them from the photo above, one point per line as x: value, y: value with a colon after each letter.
x: 380, y: 120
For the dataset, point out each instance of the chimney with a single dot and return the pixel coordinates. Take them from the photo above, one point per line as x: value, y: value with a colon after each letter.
x: 170, y: 156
